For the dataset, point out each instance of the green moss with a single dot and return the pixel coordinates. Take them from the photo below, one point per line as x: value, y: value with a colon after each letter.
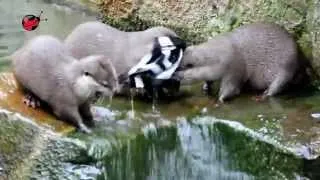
x: 270, y: 158
x: 135, y: 23
x: 210, y: 22
x: 7, y: 145
x: 16, y: 143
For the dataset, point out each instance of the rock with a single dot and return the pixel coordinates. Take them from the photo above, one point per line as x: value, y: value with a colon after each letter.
x: 29, y: 150
x: 11, y: 99
x: 199, y: 20
x: 313, y: 22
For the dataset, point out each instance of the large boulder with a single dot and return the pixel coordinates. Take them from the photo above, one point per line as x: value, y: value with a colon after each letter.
x: 199, y: 20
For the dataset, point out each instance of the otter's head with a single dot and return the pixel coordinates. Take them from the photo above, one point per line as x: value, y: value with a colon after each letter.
x: 98, y: 77
x: 189, y: 65
x: 190, y: 59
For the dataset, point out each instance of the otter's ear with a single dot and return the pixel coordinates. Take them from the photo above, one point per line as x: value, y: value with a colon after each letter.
x: 188, y: 56
x: 188, y: 51
x: 102, y: 61
x: 106, y: 64
x: 98, y: 58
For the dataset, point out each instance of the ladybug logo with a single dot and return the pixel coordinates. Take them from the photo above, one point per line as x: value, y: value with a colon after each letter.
x: 31, y: 22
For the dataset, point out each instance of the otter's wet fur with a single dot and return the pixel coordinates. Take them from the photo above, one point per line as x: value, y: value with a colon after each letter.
x: 44, y: 67
x: 259, y: 56
x: 124, y: 49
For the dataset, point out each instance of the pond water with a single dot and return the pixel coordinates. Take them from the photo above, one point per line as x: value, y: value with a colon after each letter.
x: 171, y: 148
x: 196, y: 150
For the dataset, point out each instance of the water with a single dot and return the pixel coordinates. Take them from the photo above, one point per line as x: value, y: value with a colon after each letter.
x: 132, y: 102
x: 154, y: 100
x: 194, y: 150
x: 61, y: 20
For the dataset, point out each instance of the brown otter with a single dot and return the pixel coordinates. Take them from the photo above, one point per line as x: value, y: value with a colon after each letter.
x: 45, y: 68
x: 125, y: 49
x: 261, y: 55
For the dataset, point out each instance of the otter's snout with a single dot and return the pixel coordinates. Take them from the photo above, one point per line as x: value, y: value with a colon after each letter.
x: 103, y: 91
x: 114, y: 87
x: 98, y: 94
x: 185, y: 67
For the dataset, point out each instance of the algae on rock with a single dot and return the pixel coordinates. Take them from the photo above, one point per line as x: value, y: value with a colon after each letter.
x: 28, y: 150
x: 313, y: 22
x: 198, y: 20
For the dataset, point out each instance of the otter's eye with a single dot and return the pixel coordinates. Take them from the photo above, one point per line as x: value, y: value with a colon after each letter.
x: 86, y: 73
x: 189, y: 65
x: 105, y: 84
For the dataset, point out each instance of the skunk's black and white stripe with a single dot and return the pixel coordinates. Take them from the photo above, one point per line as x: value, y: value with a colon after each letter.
x: 161, y: 63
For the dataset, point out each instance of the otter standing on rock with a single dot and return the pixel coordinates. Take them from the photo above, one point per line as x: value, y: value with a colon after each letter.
x: 124, y: 49
x: 45, y: 68
x: 261, y: 55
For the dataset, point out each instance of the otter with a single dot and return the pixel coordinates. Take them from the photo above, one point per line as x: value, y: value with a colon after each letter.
x: 261, y: 56
x: 45, y: 68
x: 123, y: 48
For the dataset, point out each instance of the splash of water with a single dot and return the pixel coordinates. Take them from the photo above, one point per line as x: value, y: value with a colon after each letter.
x: 80, y: 171
x: 110, y: 101
x: 155, y: 110
x: 132, y: 102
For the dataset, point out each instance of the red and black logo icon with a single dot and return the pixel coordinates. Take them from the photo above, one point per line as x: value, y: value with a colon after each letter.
x: 31, y: 22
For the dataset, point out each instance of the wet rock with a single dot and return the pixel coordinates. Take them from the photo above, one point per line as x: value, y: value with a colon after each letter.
x: 29, y: 150
x: 18, y: 140
x: 11, y: 99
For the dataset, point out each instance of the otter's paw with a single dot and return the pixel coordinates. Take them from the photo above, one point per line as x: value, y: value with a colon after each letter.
x: 260, y: 98
x: 207, y: 89
x: 31, y: 101
x: 83, y: 128
x: 140, y: 91
x: 123, y: 78
x: 218, y: 104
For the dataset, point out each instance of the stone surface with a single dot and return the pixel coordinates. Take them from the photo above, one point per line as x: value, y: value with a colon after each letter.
x: 11, y: 99
x: 313, y: 21
x: 28, y: 150
x: 198, y: 20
